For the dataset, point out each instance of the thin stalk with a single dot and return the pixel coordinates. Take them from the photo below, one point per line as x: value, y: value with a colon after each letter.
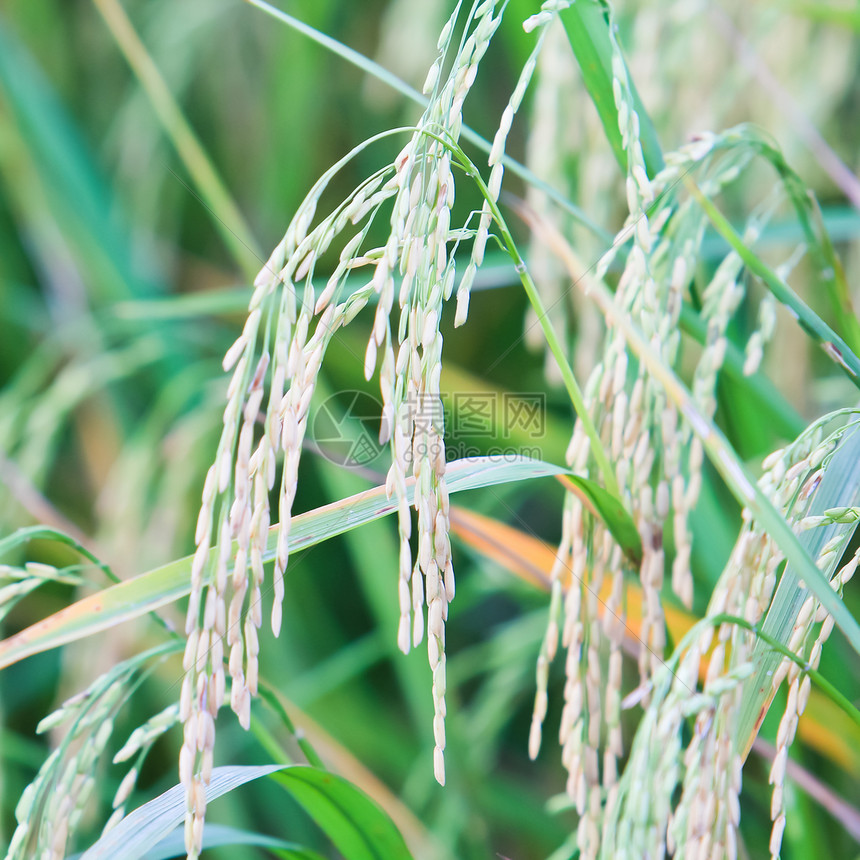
x: 229, y: 221
x: 577, y: 398
x: 29, y: 533
x: 382, y: 74
x: 811, y: 221
x: 811, y: 323
x: 828, y: 688
x: 273, y: 698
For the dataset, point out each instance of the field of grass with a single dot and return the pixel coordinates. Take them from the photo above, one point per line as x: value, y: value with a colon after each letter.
x: 308, y: 312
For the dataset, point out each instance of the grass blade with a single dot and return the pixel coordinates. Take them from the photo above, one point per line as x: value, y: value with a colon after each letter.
x: 839, y: 487
x: 217, y: 835
x: 587, y: 24
x: 77, y: 192
x: 148, y: 824
x: 28, y: 533
x: 164, y: 585
x: 355, y: 824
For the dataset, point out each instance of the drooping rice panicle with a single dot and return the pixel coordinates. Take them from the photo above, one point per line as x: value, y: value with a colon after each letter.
x: 658, y: 460
x: 276, y: 360
x: 705, y: 775
x: 137, y: 746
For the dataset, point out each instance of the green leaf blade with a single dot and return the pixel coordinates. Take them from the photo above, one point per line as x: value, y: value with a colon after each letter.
x: 358, y: 827
x: 141, y: 829
x: 164, y: 585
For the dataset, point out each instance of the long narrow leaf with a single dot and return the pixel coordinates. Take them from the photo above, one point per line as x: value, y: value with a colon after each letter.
x: 148, y: 824
x: 164, y: 585
x: 67, y: 171
x: 226, y: 216
x: 217, y: 835
x: 358, y: 827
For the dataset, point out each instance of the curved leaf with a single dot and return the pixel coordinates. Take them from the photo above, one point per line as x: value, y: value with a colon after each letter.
x: 148, y: 824
x: 355, y: 824
x: 27, y: 533
x: 164, y: 585
x: 217, y: 835
x: 832, y: 344
x: 605, y: 506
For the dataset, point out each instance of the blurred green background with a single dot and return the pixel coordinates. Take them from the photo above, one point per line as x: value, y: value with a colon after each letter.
x: 122, y: 284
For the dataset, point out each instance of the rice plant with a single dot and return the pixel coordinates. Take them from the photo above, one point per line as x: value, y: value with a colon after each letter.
x: 442, y: 315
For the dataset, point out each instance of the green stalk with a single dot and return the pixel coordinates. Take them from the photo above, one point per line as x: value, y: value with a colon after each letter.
x: 29, y: 533
x: 276, y: 701
x: 826, y: 687
x: 577, y: 398
x: 229, y: 221
x: 811, y: 323
x: 382, y: 74
x: 829, y: 689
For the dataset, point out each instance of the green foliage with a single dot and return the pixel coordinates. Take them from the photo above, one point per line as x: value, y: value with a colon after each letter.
x: 148, y: 152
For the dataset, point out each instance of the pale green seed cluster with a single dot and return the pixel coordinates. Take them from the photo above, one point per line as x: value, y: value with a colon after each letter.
x: 657, y: 459
x: 17, y: 582
x: 588, y: 551
x: 45, y: 818
x: 274, y: 366
x: 642, y: 817
x: 137, y: 746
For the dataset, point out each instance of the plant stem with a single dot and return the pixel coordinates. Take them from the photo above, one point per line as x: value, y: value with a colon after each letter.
x: 216, y: 198
x: 811, y: 323
x: 577, y: 398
